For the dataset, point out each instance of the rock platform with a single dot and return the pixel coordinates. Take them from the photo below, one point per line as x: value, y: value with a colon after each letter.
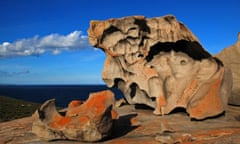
x: 138, y: 125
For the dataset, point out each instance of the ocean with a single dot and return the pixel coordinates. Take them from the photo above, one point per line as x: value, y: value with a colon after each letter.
x: 62, y: 93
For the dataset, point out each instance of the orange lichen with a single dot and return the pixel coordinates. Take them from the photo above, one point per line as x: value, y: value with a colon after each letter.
x: 214, y: 133
x: 161, y: 101
x: 114, y: 114
x: 71, y: 126
x: 73, y: 111
x: 83, y: 119
x: 87, y: 119
x: 188, y: 92
x: 64, y: 121
x: 150, y: 71
x: 211, y: 102
x: 59, y: 121
x: 134, y: 121
x: 95, y: 105
x: 209, y: 136
x: 74, y: 103
x: 97, y: 102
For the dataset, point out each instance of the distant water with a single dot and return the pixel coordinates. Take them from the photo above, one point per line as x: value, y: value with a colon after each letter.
x: 62, y: 93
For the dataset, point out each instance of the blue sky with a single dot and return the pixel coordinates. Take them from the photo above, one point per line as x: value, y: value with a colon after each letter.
x: 45, y: 41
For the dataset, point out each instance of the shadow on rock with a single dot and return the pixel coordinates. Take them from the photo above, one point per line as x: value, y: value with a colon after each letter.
x: 122, y: 126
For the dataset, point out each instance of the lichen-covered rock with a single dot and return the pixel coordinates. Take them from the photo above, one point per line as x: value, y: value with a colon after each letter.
x: 160, y: 63
x: 90, y: 121
x: 230, y: 58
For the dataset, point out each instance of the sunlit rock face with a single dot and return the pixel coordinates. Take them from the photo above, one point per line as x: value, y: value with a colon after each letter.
x: 90, y: 121
x: 160, y: 63
x: 231, y: 59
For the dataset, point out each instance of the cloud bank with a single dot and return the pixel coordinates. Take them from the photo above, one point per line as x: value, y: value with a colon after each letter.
x: 35, y: 46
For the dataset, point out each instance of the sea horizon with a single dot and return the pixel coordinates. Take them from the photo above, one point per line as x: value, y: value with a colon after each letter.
x: 63, y: 93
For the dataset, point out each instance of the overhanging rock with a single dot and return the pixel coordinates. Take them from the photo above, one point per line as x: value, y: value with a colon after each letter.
x: 160, y: 63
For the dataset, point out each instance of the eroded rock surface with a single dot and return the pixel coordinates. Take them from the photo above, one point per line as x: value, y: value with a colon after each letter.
x: 160, y: 63
x: 90, y: 121
x: 230, y: 56
x: 141, y: 126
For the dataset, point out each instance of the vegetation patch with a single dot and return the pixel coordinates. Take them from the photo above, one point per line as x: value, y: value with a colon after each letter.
x: 11, y: 108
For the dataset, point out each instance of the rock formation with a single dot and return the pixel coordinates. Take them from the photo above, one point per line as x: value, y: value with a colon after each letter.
x: 231, y: 58
x: 90, y: 121
x: 160, y: 63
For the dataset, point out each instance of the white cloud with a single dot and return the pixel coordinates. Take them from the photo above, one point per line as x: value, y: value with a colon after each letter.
x: 54, y: 43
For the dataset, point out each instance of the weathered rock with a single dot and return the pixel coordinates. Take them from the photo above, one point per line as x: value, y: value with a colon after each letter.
x: 231, y: 59
x: 160, y: 63
x: 90, y: 121
x: 140, y: 126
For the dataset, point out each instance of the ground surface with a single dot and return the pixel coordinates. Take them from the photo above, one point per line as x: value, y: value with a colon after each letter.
x: 141, y: 126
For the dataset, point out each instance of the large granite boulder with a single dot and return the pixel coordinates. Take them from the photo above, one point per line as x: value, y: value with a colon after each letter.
x: 91, y: 121
x: 160, y: 63
x: 230, y: 56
